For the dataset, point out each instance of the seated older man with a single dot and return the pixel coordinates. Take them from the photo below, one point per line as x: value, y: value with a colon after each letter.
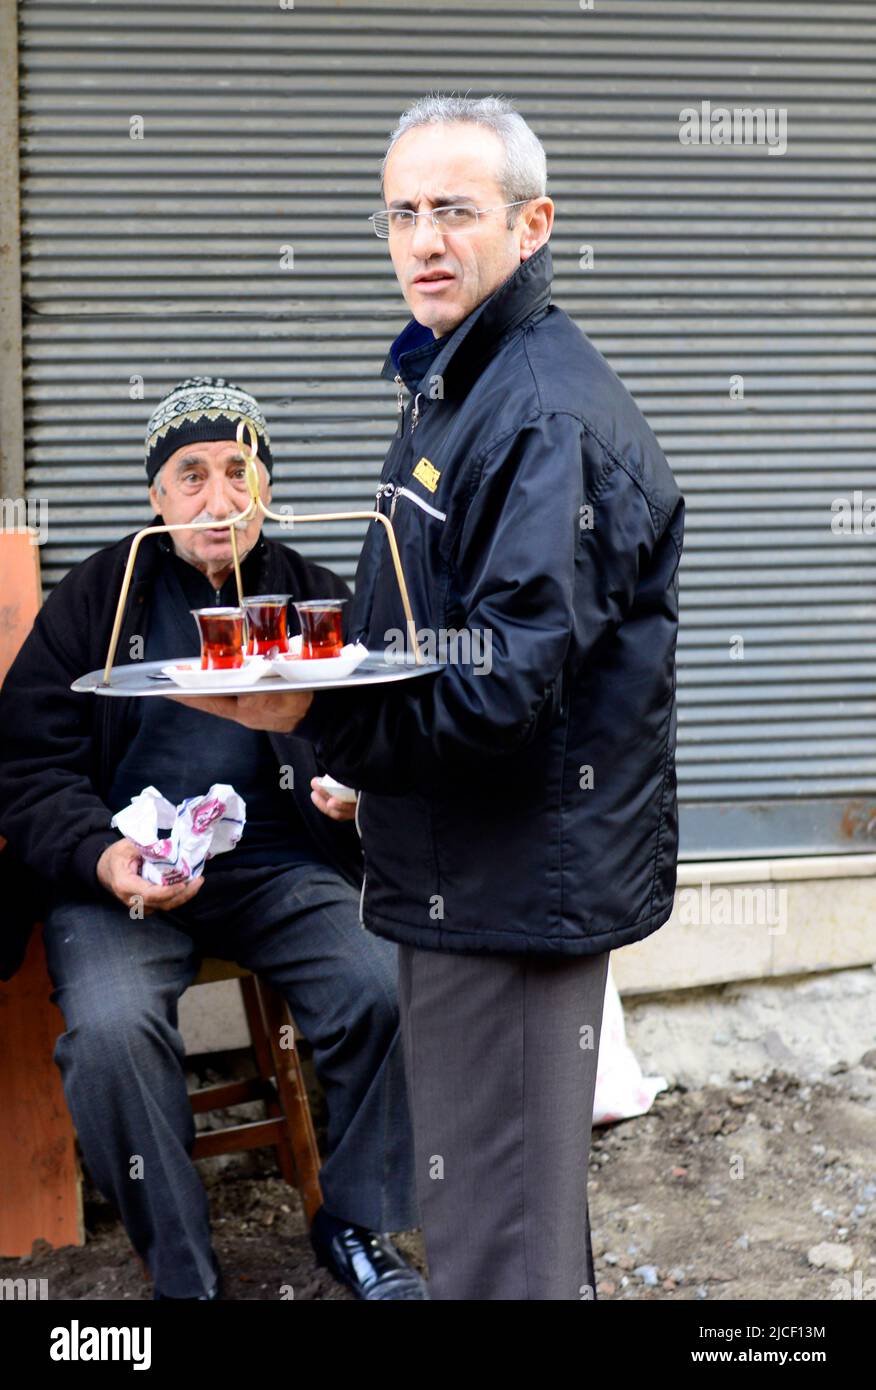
x: 284, y: 902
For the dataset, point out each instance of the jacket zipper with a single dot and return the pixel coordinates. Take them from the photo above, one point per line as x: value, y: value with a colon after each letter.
x: 385, y: 490
x: 400, y: 405
x: 364, y: 875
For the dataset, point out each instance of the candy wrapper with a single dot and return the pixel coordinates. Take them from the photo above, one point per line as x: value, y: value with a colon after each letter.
x: 200, y: 828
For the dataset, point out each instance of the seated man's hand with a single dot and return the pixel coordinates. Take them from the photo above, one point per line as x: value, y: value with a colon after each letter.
x: 331, y: 805
x: 118, y: 869
x: 276, y: 714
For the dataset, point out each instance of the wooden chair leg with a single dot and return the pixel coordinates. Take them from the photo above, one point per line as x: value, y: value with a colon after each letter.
x: 293, y: 1096
x: 264, y: 1060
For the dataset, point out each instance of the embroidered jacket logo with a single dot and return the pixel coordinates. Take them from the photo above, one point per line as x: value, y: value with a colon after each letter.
x: 427, y: 474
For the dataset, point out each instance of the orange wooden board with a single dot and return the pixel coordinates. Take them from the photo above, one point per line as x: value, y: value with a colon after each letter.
x: 40, y: 1190
x: 20, y: 593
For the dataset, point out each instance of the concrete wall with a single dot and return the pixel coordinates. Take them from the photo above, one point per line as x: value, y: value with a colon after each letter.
x: 751, y: 920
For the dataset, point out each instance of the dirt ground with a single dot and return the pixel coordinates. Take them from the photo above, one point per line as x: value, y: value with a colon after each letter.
x: 718, y: 1193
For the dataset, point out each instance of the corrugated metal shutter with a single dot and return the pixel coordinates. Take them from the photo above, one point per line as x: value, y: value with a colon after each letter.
x: 264, y: 128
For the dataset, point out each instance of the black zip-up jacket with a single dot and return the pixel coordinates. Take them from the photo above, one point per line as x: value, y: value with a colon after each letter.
x: 58, y: 749
x: 531, y: 807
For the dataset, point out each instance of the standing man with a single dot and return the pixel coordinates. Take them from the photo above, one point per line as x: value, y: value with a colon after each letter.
x: 518, y: 814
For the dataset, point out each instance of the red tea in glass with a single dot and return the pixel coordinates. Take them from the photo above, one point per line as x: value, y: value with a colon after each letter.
x: 321, y: 627
x: 266, y: 624
x: 222, y: 637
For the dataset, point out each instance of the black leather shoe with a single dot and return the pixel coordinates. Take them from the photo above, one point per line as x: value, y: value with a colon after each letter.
x: 366, y: 1262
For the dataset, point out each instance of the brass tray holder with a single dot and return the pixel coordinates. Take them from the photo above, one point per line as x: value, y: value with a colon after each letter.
x: 249, y: 450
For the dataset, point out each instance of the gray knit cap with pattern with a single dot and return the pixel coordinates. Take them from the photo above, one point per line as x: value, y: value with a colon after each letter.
x: 202, y: 409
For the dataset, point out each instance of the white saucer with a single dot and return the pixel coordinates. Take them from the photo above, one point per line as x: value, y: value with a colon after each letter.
x: 189, y: 675
x: 296, y: 668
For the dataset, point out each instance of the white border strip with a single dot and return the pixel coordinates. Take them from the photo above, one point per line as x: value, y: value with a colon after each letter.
x: 770, y: 870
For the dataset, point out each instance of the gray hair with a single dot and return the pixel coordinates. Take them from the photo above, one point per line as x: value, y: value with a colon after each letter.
x: 524, y: 172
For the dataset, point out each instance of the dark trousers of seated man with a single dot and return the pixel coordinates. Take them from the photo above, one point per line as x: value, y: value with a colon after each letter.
x: 117, y: 982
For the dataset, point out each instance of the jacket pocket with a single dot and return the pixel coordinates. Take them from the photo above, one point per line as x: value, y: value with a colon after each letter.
x: 417, y: 527
x: 397, y: 840
x: 420, y: 502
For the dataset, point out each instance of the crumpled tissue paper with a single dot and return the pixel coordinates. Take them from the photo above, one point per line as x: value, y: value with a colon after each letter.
x: 200, y: 828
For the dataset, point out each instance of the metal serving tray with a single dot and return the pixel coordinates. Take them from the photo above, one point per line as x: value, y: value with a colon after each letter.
x: 145, y: 678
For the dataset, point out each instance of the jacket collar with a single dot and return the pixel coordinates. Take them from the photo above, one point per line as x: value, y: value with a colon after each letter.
x: 158, y: 549
x: 417, y: 355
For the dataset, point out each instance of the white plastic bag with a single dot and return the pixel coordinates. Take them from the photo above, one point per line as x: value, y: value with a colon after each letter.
x: 621, y: 1089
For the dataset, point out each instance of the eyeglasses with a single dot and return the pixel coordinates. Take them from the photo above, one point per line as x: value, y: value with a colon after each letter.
x: 456, y: 217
